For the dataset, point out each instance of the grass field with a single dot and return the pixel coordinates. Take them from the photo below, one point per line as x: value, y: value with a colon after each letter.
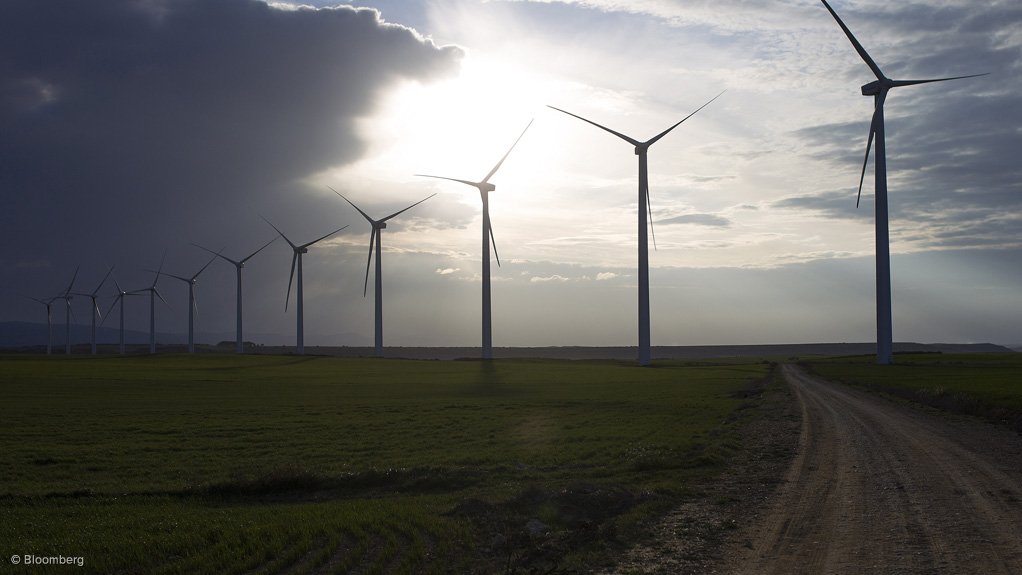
x: 985, y: 385
x: 260, y: 464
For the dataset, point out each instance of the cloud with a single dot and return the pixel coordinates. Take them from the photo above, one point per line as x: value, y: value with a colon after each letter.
x: 712, y: 220
x: 156, y: 123
x: 553, y: 278
x: 603, y: 276
x: 447, y: 271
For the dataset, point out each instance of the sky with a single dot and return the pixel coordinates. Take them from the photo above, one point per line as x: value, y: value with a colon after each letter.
x: 131, y: 129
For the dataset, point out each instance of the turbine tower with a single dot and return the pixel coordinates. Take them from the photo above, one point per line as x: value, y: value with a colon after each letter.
x: 153, y: 294
x: 376, y: 236
x: 238, y: 264
x: 641, y: 149
x: 191, y: 302
x: 95, y: 307
x: 49, y: 321
x: 878, y: 89
x: 485, y: 187
x: 299, y: 250
x: 67, y: 296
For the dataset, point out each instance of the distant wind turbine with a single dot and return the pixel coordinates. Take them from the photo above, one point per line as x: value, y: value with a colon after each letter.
x: 641, y: 149
x: 153, y: 294
x: 238, y: 264
x: 49, y: 320
x: 67, y: 296
x: 95, y: 307
x: 485, y: 187
x: 299, y: 250
x: 878, y: 89
x: 376, y: 236
x: 191, y: 301
x: 121, y: 294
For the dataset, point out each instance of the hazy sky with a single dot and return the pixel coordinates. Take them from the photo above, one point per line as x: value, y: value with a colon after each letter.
x: 133, y: 127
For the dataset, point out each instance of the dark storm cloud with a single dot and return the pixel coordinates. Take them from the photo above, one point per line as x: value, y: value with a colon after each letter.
x: 162, y: 122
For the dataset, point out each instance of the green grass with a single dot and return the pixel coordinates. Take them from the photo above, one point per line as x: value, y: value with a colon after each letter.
x: 985, y: 385
x: 211, y: 463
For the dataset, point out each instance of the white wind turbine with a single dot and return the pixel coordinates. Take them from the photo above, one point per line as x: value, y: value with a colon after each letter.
x: 95, y: 307
x: 121, y: 294
x: 485, y: 187
x: 641, y: 149
x: 878, y: 89
x: 153, y: 294
x: 67, y: 296
x: 376, y: 236
x: 238, y: 265
x: 191, y: 301
x: 49, y: 320
x: 298, y: 251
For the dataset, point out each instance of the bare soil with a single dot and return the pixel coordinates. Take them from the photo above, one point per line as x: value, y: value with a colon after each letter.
x: 880, y: 486
x: 870, y: 485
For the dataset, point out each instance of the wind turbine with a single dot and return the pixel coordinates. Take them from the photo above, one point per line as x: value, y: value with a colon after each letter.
x: 191, y: 301
x: 376, y: 236
x: 67, y: 296
x: 95, y: 307
x: 153, y: 294
x: 121, y: 294
x: 641, y: 149
x: 49, y: 321
x: 238, y: 264
x: 878, y: 89
x: 299, y: 250
x: 485, y: 187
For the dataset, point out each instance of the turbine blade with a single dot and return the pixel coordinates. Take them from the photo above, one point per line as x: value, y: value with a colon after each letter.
x: 254, y: 253
x: 293, y: 246
x: 406, y: 209
x: 494, y: 242
x: 495, y: 168
x: 203, y: 268
x: 95, y: 305
x: 649, y: 208
x: 631, y: 141
x: 869, y: 142
x: 665, y: 132
x: 897, y: 83
x: 294, y: 259
x: 219, y: 254
x: 473, y: 184
x: 324, y: 237
x: 159, y: 295
x: 364, y: 215
x: 108, y: 272
x: 372, y: 238
x: 103, y: 318
x: 855, y: 43
x: 160, y: 269
x: 73, y: 278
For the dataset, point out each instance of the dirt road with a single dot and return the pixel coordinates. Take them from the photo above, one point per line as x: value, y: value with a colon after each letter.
x: 879, y: 487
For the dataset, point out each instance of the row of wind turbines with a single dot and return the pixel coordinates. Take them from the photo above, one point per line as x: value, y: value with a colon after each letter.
x: 878, y: 89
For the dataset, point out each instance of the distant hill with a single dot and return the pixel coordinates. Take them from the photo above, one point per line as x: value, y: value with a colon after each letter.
x: 24, y: 334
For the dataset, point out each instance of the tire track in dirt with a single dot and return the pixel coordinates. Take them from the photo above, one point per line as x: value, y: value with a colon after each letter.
x: 881, y: 487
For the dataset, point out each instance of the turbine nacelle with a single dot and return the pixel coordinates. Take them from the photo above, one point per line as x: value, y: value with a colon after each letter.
x: 485, y: 187
x: 873, y: 88
x: 381, y: 225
